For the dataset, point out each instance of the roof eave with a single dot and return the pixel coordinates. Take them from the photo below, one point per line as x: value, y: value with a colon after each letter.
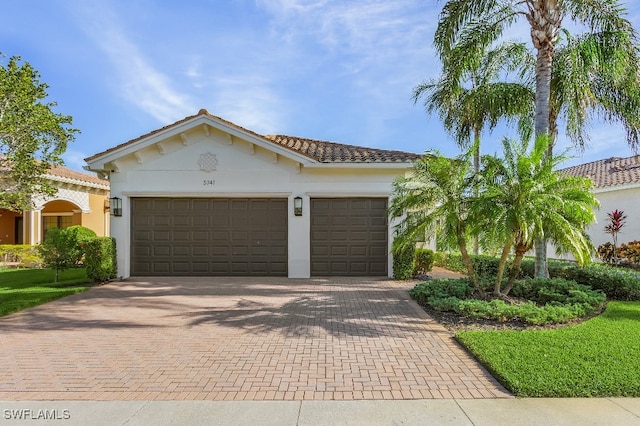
x: 98, y: 163
x: 371, y: 165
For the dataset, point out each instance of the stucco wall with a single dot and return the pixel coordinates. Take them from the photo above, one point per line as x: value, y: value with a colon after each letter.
x: 627, y: 200
x: 242, y: 170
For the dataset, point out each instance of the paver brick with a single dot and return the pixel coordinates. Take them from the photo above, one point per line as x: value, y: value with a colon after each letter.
x: 236, y: 339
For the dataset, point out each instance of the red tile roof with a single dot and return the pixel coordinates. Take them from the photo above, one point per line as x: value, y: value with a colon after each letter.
x: 322, y: 151
x: 63, y: 172
x: 331, y: 152
x: 609, y: 172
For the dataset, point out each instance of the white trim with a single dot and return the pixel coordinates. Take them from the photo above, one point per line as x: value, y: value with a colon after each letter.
x: 235, y: 194
x: 56, y: 214
x: 392, y: 166
x: 348, y: 194
x: 77, y: 182
x: 98, y: 163
x: 614, y: 188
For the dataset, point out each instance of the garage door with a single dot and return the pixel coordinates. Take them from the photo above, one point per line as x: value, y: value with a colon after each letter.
x: 196, y: 236
x: 349, y: 236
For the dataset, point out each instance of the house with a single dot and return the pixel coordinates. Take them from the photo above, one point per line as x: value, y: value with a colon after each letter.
x: 616, y: 183
x: 80, y: 200
x: 204, y: 196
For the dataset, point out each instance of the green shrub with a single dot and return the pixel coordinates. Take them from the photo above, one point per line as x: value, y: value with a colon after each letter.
x: 450, y: 261
x: 81, y: 236
x: 557, y: 291
x: 23, y: 255
x: 58, y: 250
x: 101, y: 259
x: 551, y: 301
x: 423, y: 261
x: 428, y: 291
x: 617, y: 283
x: 403, y: 263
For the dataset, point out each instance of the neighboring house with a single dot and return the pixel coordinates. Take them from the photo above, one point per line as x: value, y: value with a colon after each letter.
x: 204, y: 196
x: 617, y: 186
x: 80, y: 200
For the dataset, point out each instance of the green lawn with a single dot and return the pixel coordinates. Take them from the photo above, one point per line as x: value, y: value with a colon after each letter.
x: 23, y: 288
x: 599, y: 357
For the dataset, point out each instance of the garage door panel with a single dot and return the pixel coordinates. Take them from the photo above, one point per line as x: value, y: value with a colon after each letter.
x: 201, y: 250
x: 160, y: 236
x: 182, y: 236
x: 209, y: 236
x: 349, y: 236
x: 162, y: 251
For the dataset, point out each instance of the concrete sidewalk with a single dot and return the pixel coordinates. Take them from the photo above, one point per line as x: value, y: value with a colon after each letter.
x: 578, y: 411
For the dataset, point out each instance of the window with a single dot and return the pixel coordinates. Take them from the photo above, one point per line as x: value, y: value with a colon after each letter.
x: 59, y: 222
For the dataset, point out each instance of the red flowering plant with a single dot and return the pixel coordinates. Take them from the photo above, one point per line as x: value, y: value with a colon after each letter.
x: 616, y: 220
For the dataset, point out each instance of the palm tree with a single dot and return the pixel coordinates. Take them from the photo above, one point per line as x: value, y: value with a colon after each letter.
x: 479, y: 23
x: 434, y: 198
x: 595, y: 74
x: 471, y: 93
x: 523, y: 197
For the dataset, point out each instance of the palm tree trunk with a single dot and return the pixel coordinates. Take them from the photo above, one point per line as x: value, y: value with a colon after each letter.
x: 515, y: 268
x: 543, y: 92
x: 466, y: 259
x: 476, y: 170
x: 501, y: 265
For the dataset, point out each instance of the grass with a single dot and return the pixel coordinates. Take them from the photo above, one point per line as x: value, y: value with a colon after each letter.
x: 598, y: 358
x: 23, y: 288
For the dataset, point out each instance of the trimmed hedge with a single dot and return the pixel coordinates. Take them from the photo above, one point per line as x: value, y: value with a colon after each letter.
x: 423, y: 261
x: 100, y: 259
x: 403, y: 261
x: 617, y: 283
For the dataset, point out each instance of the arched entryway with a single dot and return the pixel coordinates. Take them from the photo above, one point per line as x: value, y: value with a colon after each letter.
x: 59, y: 214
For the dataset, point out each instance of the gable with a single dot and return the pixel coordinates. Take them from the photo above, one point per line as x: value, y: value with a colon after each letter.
x: 195, y: 129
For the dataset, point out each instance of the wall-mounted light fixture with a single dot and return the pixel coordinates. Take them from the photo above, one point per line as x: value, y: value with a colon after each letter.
x: 115, y: 205
x: 297, y: 206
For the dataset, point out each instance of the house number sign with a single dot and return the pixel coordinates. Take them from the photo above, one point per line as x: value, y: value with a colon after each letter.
x: 208, y: 182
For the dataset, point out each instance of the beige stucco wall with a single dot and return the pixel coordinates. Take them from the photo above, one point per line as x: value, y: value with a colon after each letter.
x: 96, y: 220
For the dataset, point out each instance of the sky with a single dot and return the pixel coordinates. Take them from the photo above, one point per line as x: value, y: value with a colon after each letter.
x: 334, y: 70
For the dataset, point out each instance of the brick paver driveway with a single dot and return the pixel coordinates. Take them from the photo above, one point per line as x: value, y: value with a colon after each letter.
x: 236, y: 339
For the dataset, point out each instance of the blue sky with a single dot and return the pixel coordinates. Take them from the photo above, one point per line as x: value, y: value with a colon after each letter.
x: 334, y: 70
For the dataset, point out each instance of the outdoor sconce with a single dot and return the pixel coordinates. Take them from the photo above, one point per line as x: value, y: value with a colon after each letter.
x: 115, y: 205
x: 297, y: 206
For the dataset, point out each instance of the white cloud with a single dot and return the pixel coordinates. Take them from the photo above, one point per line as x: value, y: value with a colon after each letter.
x: 74, y: 159
x: 138, y: 82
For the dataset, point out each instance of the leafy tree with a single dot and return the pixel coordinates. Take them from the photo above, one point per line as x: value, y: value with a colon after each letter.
x: 523, y: 198
x: 434, y: 198
x: 480, y: 23
x: 58, y: 250
x: 32, y: 136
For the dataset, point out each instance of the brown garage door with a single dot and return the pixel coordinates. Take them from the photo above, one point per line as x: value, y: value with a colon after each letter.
x: 349, y: 236
x: 197, y: 236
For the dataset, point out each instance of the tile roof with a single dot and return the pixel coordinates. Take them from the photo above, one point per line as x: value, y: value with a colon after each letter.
x: 610, y: 172
x: 331, y: 152
x: 65, y: 173
x: 322, y: 151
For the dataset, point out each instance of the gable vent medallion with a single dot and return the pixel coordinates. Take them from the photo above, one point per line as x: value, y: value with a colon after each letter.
x: 208, y: 162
